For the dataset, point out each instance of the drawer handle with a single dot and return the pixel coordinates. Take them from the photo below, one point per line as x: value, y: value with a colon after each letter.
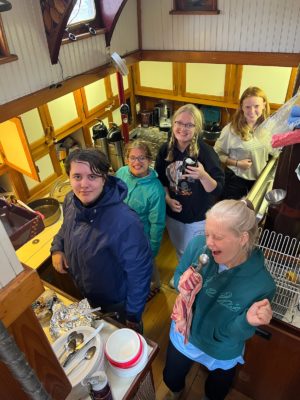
x: 263, y: 333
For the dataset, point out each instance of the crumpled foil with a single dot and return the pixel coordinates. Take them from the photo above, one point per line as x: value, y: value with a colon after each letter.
x: 44, y: 304
x: 66, y: 318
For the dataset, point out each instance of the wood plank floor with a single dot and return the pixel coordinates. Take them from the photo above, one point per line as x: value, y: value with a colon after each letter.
x: 156, y: 327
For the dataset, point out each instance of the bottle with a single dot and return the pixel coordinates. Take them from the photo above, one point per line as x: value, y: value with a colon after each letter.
x: 99, y: 388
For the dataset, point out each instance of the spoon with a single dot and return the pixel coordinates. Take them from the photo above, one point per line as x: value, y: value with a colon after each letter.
x: 79, y: 337
x: 88, y: 355
x: 69, y: 348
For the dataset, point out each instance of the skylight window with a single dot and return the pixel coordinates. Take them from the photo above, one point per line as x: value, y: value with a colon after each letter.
x: 83, y: 12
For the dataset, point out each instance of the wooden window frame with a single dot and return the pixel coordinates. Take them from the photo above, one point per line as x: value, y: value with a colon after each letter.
x: 209, y: 7
x: 5, y: 55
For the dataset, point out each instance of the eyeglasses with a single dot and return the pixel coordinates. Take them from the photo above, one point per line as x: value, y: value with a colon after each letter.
x: 140, y: 158
x: 187, y: 126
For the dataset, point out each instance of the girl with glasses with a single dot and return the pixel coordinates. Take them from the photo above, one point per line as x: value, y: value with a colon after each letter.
x: 191, y: 175
x: 146, y: 196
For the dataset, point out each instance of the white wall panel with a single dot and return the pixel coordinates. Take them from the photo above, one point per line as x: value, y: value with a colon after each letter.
x: 27, y: 39
x: 242, y: 25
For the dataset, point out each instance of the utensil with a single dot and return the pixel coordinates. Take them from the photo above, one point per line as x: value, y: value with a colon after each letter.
x: 275, y: 196
x: 88, y: 356
x: 82, y: 345
x: 68, y: 348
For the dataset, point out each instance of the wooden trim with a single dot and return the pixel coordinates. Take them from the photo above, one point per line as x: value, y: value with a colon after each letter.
x: 139, y: 19
x: 43, y: 187
x: 7, y: 59
x: 223, y: 57
x: 18, y: 294
x: 18, y: 183
x: 198, y: 12
x: 292, y: 81
x: 43, y: 96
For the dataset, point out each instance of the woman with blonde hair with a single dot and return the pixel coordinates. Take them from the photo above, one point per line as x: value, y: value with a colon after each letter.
x: 243, y: 147
x: 234, y: 299
x: 192, y: 177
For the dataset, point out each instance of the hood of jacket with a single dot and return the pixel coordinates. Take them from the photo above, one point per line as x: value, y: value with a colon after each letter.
x: 114, y: 192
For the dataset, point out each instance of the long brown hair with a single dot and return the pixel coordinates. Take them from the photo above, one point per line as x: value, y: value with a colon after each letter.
x: 239, y: 124
x: 193, y: 148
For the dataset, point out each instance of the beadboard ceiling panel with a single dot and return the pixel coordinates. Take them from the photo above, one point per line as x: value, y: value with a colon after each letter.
x: 242, y: 25
x: 33, y: 70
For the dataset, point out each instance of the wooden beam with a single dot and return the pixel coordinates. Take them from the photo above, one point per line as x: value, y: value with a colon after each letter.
x: 223, y: 57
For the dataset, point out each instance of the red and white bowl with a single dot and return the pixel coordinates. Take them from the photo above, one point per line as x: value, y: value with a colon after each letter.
x: 124, y: 348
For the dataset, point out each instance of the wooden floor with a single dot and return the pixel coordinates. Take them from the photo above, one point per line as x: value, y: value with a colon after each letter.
x: 156, y: 327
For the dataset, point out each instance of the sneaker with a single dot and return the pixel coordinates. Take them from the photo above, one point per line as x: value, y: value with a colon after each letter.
x: 171, y: 283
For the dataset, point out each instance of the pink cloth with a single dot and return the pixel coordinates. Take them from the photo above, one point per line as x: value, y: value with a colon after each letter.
x: 189, y: 285
x: 286, y: 139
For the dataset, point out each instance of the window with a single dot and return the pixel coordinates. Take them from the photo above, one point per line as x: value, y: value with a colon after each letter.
x: 84, y: 20
x: 195, y: 7
x: 83, y: 12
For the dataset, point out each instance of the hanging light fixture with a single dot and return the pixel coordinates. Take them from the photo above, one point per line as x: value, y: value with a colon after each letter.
x: 4, y: 5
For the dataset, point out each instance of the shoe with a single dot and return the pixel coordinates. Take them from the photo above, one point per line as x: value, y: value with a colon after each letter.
x: 173, y: 395
x: 171, y: 283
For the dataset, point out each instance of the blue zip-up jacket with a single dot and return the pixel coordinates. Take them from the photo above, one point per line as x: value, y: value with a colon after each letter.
x: 219, y: 326
x: 107, y: 251
x: 146, y: 196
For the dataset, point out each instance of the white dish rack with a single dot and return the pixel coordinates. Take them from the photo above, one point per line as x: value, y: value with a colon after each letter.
x: 282, y: 258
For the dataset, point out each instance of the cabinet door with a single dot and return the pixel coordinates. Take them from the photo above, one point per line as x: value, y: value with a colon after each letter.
x: 63, y: 113
x: 272, y: 365
x: 155, y: 77
x: 15, y: 148
x: 95, y: 96
x: 205, y: 81
x: 274, y: 81
x: 33, y: 127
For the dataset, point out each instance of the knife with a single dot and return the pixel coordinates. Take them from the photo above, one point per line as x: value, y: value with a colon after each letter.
x: 82, y: 345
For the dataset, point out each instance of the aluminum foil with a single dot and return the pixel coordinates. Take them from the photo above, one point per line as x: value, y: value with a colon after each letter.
x: 66, y: 318
x: 43, y: 306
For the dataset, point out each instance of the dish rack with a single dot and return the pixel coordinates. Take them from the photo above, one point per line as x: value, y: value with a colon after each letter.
x: 282, y: 259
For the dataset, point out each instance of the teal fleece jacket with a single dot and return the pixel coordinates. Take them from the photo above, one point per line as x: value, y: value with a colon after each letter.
x: 146, y: 196
x: 219, y: 326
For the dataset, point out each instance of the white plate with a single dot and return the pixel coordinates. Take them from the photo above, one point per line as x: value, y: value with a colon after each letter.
x: 136, y: 369
x: 85, y: 367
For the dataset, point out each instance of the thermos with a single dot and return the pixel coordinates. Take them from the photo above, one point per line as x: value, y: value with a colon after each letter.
x: 115, y: 147
x: 100, y: 133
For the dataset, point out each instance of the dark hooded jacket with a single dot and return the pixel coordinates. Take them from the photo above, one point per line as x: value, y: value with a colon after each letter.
x: 107, y: 252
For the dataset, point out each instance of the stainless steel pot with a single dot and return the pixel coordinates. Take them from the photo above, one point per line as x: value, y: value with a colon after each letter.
x: 49, y: 207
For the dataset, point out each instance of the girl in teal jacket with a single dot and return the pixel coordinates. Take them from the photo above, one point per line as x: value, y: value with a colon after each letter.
x: 146, y: 195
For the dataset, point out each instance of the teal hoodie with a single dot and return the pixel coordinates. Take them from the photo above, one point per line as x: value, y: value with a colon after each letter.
x: 219, y: 326
x: 146, y: 196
